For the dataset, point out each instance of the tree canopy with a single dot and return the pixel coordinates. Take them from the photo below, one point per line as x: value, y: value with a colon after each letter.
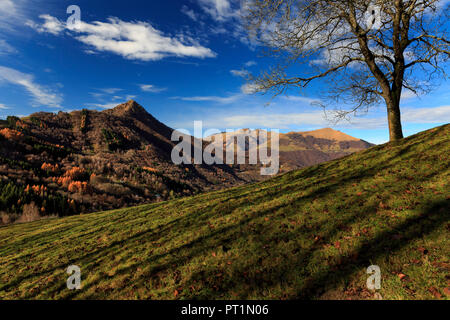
x: 370, y: 51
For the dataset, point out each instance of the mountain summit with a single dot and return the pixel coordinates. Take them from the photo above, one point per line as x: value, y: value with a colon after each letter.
x: 129, y: 109
x: 89, y: 160
x: 330, y: 134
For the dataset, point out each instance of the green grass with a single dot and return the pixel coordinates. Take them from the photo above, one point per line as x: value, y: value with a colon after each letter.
x: 307, y: 234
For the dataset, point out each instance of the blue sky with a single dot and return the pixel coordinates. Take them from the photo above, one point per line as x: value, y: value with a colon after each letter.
x: 184, y: 61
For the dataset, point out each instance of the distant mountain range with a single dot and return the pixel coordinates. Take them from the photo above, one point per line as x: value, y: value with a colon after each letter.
x: 88, y: 160
x: 297, y: 149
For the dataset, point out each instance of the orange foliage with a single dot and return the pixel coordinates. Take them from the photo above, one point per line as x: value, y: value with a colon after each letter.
x: 75, y: 173
x: 22, y: 124
x: 149, y: 169
x: 49, y: 167
x: 78, y: 186
x: 64, y: 181
x: 36, y: 189
x: 11, y: 134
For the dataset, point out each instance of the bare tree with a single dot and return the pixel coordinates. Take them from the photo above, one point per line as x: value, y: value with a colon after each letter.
x: 369, y: 50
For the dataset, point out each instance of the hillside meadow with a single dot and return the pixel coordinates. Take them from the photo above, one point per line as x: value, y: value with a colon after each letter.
x: 306, y: 234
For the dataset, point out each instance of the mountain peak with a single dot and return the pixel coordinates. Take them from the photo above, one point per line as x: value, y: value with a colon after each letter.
x: 329, y: 133
x: 129, y: 109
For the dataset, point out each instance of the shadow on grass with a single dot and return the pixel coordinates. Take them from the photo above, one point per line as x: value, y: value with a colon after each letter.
x: 384, y: 244
x: 203, y: 245
x: 315, y: 284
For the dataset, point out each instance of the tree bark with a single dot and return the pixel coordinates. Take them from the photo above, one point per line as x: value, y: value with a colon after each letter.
x: 394, y: 120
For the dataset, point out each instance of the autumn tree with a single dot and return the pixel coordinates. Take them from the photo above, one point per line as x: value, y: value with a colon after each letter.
x: 368, y: 50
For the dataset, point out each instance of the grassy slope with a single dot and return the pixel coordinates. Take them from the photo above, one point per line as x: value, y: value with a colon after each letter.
x: 306, y: 234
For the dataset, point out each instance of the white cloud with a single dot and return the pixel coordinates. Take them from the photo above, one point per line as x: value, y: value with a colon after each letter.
x: 300, y: 99
x: 151, y: 88
x: 408, y: 94
x: 250, y: 63
x: 284, y: 121
x: 104, y: 96
x: 219, y: 10
x: 51, y: 25
x: 103, y: 105
x: 88, y: 51
x: 3, y: 107
x: 110, y: 90
x: 7, y: 7
x: 239, y: 73
x: 246, y: 90
x: 270, y: 120
x: 227, y: 15
x: 12, y: 14
x: 249, y: 88
x: 131, y: 40
x: 337, y: 52
x: 102, y: 92
x: 218, y: 30
x: 41, y: 95
x: 224, y: 100
x: 189, y: 12
x: 441, y: 4
x: 426, y: 115
x: 243, y: 72
x: 6, y: 48
x: 96, y: 95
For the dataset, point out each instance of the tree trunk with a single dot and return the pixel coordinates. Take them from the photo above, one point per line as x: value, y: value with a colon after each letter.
x: 395, y: 124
